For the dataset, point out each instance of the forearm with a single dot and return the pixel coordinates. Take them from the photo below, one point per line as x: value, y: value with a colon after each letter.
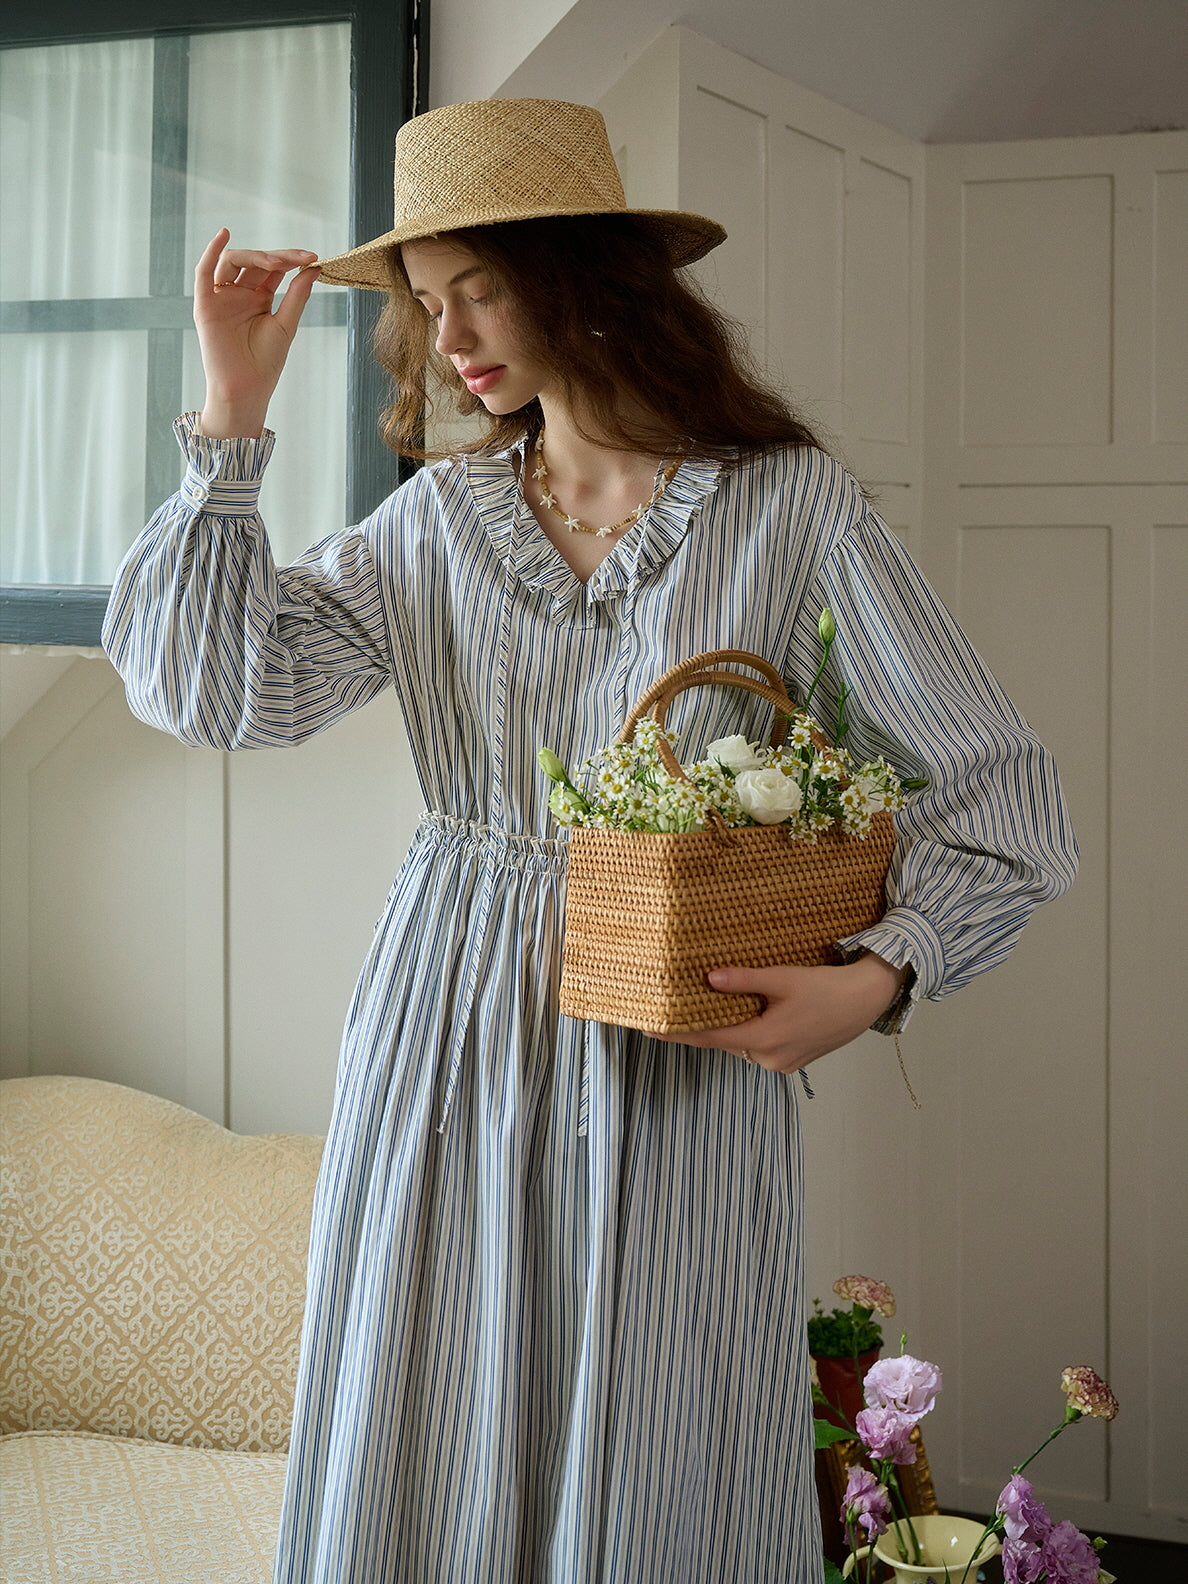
x: 224, y: 418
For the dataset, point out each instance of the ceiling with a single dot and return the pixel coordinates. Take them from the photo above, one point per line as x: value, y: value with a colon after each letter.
x: 940, y: 71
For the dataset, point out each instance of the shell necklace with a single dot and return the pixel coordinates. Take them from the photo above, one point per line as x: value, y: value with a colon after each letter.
x: 541, y: 472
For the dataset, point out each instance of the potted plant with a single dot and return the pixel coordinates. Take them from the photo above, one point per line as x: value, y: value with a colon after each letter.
x: 844, y: 1343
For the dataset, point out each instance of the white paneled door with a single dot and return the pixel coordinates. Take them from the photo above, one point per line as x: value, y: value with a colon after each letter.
x: 1056, y: 523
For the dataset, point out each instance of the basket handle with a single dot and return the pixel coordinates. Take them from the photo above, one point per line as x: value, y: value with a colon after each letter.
x: 693, y: 673
x: 673, y: 680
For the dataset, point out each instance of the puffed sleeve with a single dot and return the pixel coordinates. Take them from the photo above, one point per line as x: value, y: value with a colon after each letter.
x: 213, y: 642
x: 988, y: 839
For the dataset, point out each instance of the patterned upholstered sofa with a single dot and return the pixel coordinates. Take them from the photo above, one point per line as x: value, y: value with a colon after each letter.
x: 152, y: 1269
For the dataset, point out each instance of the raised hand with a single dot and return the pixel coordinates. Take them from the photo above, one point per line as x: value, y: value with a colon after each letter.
x: 244, y: 341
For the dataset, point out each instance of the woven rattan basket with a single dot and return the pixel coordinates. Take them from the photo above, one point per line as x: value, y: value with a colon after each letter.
x: 647, y: 916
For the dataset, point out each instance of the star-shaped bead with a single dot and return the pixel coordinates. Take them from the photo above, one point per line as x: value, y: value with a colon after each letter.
x: 548, y: 500
x: 572, y: 524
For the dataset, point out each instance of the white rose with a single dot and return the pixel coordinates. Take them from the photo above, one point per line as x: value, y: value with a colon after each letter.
x: 735, y: 753
x: 768, y: 796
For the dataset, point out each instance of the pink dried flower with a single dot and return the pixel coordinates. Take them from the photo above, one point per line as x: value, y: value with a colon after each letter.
x: 886, y: 1433
x: 906, y: 1384
x: 1087, y: 1393
x: 867, y: 1292
x: 865, y: 1502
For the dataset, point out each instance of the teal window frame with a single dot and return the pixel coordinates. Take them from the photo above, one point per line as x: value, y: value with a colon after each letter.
x: 389, y: 82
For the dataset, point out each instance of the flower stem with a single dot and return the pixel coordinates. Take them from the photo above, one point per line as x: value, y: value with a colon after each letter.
x: 995, y: 1525
x: 820, y: 672
x: 852, y: 1538
x: 891, y: 1479
x: 1062, y: 1426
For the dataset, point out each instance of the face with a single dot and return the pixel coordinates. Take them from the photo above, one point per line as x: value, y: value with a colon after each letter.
x: 472, y: 332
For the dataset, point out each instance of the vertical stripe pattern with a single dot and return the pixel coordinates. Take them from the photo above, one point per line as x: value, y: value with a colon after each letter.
x: 555, y: 1327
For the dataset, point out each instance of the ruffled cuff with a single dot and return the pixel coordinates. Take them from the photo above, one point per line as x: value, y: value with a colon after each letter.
x: 905, y: 939
x: 223, y: 477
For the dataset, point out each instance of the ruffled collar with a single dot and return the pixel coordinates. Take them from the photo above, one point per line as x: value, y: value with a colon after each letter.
x: 534, y: 560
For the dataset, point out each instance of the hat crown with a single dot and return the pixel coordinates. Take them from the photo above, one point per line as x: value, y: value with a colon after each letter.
x: 496, y: 159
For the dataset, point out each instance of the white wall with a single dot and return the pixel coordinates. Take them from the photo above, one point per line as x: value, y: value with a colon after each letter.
x: 1056, y: 524
x: 938, y: 71
x: 189, y: 922
x: 477, y: 46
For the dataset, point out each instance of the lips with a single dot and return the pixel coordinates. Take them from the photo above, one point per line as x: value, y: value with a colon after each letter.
x: 480, y: 380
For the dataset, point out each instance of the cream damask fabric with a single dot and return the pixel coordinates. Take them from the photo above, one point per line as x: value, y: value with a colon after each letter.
x: 153, y: 1268
x: 84, y: 1509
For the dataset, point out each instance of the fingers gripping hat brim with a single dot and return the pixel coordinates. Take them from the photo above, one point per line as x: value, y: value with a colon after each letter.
x: 498, y: 160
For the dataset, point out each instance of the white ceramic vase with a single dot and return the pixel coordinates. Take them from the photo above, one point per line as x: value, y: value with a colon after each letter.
x: 946, y: 1546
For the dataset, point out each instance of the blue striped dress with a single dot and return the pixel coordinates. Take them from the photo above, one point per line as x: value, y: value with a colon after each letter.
x: 555, y: 1327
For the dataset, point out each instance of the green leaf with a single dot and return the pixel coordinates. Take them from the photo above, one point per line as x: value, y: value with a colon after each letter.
x: 833, y: 1574
x: 840, y: 1333
x: 826, y: 1434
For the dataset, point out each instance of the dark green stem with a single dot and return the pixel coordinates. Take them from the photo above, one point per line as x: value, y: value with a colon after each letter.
x: 994, y: 1527
x: 820, y: 673
x: 891, y: 1480
x: 1062, y: 1426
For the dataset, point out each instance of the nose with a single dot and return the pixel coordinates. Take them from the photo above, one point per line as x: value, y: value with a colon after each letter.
x: 453, y: 332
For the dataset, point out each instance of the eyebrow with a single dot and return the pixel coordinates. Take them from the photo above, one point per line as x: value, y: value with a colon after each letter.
x: 474, y: 269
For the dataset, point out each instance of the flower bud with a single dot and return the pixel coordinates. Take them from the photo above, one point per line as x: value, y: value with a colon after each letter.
x: 827, y: 627
x: 551, y: 765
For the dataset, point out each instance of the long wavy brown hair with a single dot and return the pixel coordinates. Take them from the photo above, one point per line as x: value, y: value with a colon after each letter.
x: 644, y: 358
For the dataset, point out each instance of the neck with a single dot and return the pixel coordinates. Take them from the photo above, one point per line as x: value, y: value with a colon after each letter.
x: 594, y: 488
x: 586, y: 458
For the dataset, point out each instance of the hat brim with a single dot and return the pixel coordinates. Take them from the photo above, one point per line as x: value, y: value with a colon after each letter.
x: 688, y: 238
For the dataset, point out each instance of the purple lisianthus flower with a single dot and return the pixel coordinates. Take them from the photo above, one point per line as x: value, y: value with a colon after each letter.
x: 1069, y: 1556
x: 1024, y: 1516
x: 907, y: 1384
x: 1022, y: 1561
x: 865, y: 1503
x: 887, y: 1433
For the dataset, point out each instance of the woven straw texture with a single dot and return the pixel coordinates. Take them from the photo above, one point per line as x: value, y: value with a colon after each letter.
x: 154, y: 1268
x: 648, y: 916
x: 86, y: 1509
x: 506, y: 159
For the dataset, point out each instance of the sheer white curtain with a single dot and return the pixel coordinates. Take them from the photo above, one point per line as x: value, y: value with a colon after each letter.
x: 74, y: 189
x: 270, y: 159
x: 268, y: 156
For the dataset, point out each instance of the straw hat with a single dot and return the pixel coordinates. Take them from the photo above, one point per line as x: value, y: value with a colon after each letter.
x: 507, y: 159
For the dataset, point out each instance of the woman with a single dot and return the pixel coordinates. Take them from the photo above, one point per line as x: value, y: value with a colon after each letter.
x: 555, y: 1328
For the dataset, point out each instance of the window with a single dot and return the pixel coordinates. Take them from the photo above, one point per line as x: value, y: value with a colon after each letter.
x: 126, y: 148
